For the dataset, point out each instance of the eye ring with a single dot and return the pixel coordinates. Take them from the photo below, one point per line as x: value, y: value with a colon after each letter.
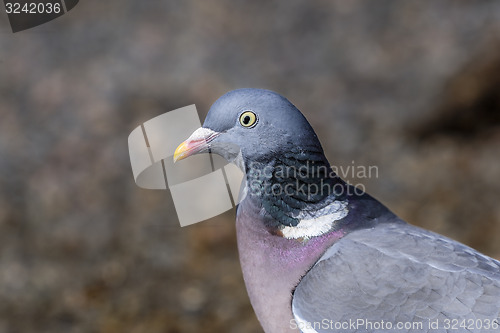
x: 248, y: 119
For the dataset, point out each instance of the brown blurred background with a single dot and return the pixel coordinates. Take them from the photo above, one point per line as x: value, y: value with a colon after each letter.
x: 410, y: 87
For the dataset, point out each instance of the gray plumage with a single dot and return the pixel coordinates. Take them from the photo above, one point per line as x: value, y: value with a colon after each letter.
x: 400, y: 273
x: 316, y: 260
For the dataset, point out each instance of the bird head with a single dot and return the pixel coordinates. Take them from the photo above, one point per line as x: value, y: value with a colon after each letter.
x: 251, y: 125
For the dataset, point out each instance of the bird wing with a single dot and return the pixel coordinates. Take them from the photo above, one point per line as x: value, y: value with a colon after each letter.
x: 399, y: 273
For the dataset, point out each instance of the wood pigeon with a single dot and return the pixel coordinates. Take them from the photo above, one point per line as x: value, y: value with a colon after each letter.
x: 319, y: 255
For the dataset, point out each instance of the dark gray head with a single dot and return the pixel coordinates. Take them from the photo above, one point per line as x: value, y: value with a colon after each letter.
x: 261, y: 123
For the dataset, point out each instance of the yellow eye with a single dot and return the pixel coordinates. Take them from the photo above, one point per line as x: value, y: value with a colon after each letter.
x: 248, y: 119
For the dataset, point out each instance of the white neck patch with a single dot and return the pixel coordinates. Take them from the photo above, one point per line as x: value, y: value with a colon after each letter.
x: 317, y: 226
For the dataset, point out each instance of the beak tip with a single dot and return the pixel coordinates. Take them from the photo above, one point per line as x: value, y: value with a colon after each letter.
x: 181, y: 151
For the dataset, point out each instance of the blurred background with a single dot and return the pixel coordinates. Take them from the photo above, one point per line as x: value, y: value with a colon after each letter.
x: 412, y: 88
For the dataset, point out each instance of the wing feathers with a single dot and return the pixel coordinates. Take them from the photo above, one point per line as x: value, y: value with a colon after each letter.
x: 399, y: 272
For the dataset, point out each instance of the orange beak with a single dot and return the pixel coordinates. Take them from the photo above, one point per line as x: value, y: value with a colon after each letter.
x: 196, y: 143
x: 188, y: 148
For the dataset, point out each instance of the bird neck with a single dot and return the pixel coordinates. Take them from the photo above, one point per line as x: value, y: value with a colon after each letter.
x: 298, y: 194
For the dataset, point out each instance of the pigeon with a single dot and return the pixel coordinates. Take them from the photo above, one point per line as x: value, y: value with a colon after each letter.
x: 319, y: 255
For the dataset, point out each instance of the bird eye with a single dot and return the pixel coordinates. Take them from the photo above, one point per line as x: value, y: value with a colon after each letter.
x: 248, y: 119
